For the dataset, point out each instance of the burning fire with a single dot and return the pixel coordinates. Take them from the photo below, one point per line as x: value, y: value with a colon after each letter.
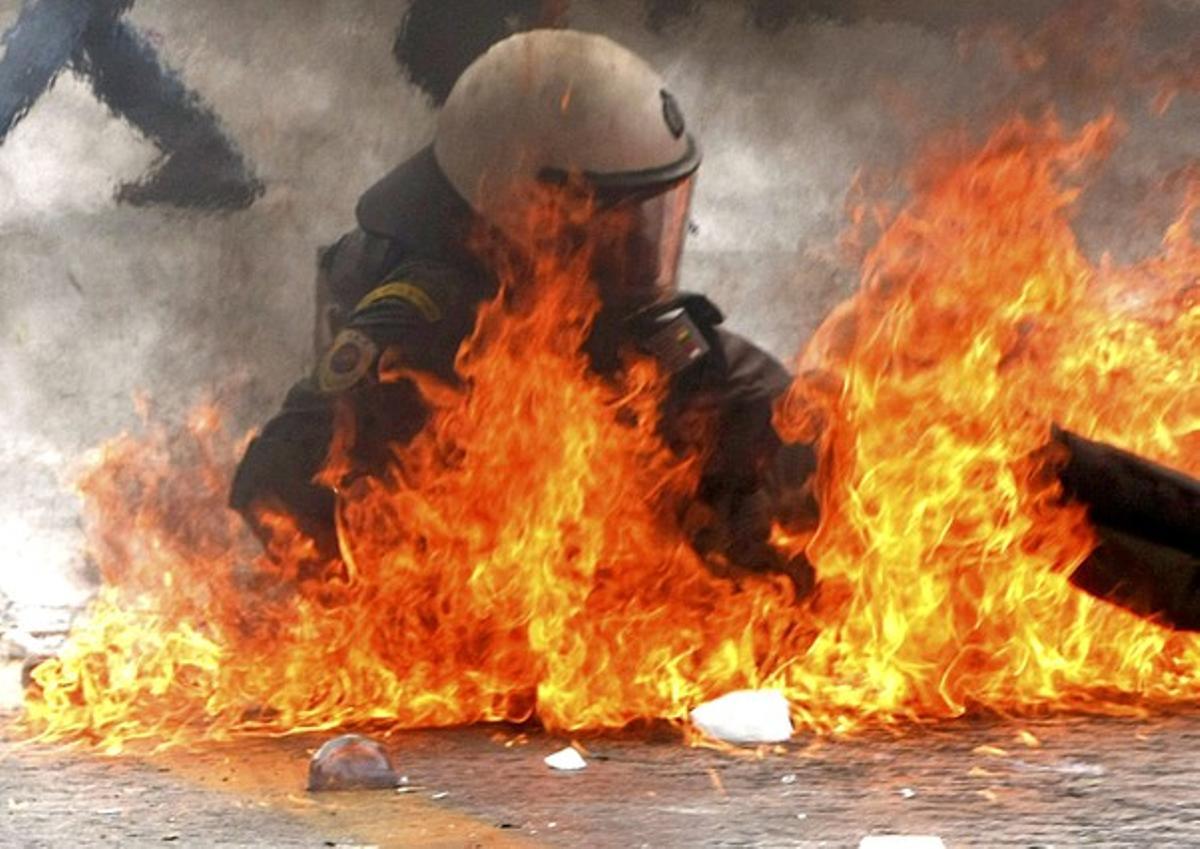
x: 942, y: 546
x: 521, y: 558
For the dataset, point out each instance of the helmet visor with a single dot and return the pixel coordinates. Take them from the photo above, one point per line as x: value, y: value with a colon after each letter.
x: 639, y: 242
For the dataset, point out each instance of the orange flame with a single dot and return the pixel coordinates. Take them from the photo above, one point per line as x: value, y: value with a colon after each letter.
x: 522, y: 558
x: 942, y: 549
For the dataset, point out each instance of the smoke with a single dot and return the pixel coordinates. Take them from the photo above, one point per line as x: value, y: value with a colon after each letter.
x: 202, y: 168
x: 793, y: 102
x: 41, y: 41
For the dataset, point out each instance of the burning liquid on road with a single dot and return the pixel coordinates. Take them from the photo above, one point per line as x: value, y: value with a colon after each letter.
x: 521, y: 559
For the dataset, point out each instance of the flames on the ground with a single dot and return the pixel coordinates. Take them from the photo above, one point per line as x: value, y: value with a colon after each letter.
x: 943, y: 547
x: 521, y: 557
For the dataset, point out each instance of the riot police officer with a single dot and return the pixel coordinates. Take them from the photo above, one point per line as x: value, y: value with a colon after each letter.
x: 546, y: 106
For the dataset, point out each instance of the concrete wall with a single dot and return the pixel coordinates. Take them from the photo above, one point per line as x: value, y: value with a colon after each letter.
x: 98, y: 301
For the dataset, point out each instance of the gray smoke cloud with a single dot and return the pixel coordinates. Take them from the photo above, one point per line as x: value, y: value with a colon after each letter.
x: 99, y: 300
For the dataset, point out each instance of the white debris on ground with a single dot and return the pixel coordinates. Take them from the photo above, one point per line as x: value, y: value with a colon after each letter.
x: 567, y: 759
x: 901, y: 841
x: 746, y: 716
x: 351, y: 762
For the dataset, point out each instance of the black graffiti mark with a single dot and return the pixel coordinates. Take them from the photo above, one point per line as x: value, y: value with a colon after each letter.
x: 200, y: 165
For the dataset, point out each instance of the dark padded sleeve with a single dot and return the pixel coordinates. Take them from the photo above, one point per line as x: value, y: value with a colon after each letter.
x: 419, y: 315
x: 354, y: 265
x: 753, y: 479
x: 279, y: 465
x: 755, y: 381
x: 346, y: 271
x: 745, y: 393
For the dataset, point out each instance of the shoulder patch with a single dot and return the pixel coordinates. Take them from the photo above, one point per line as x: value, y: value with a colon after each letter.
x: 402, y: 290
x: 347, y: 361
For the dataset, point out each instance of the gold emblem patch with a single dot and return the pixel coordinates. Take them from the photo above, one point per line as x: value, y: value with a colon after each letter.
x: 347, y: 361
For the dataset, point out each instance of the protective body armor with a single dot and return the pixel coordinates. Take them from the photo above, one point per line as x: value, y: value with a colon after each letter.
x: 379, y: 294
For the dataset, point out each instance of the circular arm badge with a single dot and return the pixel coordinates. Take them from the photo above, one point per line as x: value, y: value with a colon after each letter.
x: 347, y: 361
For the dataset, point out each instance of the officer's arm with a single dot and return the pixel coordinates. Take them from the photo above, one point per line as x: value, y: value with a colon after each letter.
x: 407, y: 316
x: 753, y: 479
x: 754, y: 382
x: 276, y: 474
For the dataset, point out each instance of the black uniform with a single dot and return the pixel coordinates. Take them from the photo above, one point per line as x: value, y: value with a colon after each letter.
x: 401, y: 282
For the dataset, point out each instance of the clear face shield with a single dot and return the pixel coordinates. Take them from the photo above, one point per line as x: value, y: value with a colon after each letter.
x: 639, y: 243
